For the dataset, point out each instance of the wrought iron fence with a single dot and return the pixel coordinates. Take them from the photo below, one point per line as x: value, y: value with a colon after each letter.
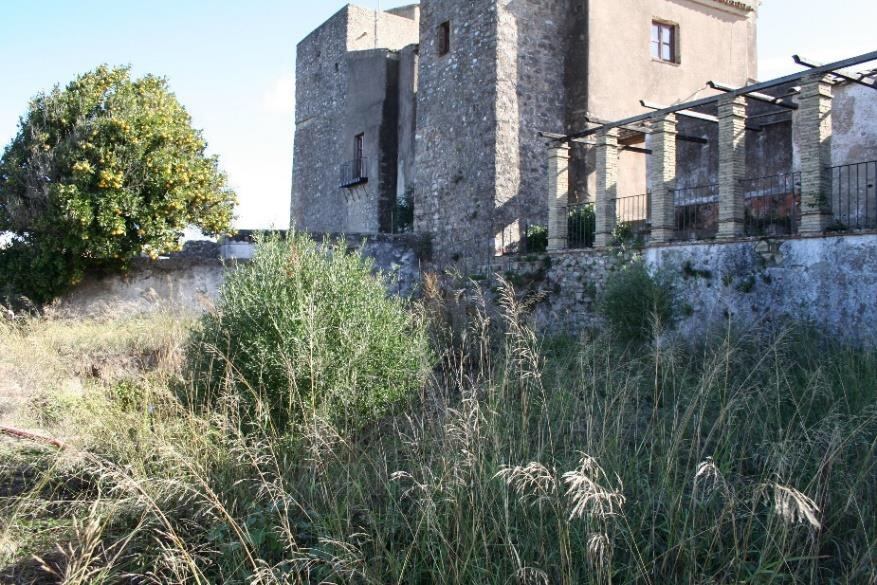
x: 581, y: 225
x: 354, y: 172
x: 696, y: 212
x: 854, y: 195
x: 633, y: 213
x: 772, y: 205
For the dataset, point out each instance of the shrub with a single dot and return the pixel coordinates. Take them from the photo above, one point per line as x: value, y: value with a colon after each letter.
x: 582, y: 226
x: 634, y: 300
x: 537, y: 239
x: 309, y: 329
x: 101, y: 172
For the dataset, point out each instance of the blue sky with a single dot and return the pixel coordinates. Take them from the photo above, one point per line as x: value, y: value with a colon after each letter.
x: 231, y: 63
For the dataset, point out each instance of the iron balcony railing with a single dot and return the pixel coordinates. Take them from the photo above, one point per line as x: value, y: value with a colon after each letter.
x: 772, y: 205
x: 354, y: 172
x: 854, y: 195
x: 696, y: 212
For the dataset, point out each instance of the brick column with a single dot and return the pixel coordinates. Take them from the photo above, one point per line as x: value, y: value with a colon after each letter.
x: 607, y: 185
x: 814, y: 148
x: 662, y: 178
x: 558, y: 196
x: 732, y: 165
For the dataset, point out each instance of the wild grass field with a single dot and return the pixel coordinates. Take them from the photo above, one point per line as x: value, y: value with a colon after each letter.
x: 748, y: 457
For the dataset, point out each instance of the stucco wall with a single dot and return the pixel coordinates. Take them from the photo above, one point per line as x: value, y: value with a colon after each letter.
x: 716, y: 42
x: 190, y: 281
x: 854, y: 125
x: 826, y: 282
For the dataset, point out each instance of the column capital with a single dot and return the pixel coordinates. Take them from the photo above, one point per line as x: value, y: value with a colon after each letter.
x: 666, y: 124
x: 559, y: 149
x: 607, y: 137
x: 732, y: 106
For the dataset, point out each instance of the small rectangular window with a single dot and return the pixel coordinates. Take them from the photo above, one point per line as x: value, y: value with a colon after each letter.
x: 358, y: 165
x: 357, y: 146
x: 444, y: 38
x: 664, y: 37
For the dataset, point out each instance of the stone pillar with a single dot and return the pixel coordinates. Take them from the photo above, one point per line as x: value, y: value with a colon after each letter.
x: 607, y: 185
x: 732, y: 165
x: 814, y: 148
x: 662, y: 178
x: 558, y: 196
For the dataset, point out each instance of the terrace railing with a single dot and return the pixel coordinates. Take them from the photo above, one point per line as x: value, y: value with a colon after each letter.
x: 581, y: 226
x: 696, y: 212
x: 633, y: 212
x: 854, y: 195
x: 772, y: 205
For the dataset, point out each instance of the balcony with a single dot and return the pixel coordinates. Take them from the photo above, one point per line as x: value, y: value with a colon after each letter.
x: 354, y: 172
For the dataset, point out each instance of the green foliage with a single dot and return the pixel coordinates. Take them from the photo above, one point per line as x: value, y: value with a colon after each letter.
x: 403, y: 214
x: 537, y: 239
x: 101, y: 172
x: 303, y: 329
x: 634, y: 300
x: 582, y: 226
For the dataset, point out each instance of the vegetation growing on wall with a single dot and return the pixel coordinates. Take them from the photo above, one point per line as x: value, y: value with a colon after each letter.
x: 635, y: 301
x: 101, y: 172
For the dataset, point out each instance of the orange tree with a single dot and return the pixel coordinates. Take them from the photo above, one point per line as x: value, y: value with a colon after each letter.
x: 101, y: 172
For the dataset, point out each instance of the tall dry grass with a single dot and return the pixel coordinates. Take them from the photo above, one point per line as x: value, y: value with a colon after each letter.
x: 748, y: 458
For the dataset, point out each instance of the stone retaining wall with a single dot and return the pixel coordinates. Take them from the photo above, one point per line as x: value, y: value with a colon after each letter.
x: 829, y: 283
x: 190, y: 281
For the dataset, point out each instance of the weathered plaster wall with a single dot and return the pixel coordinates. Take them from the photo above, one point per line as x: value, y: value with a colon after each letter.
x: 372, y: 111
x: 408, y: 90
x: 716, y: 42
x: 190, y: 281
x: 827, y: 282
x: 854, y: 121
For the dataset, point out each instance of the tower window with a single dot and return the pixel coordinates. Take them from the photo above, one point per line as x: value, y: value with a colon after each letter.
x: 665, y: 38
x: 444, y: 38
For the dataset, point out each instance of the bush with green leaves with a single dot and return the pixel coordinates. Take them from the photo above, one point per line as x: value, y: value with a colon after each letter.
x: 634, y: 300
x: 582, y: 226
x: 101, y: 172
x: 309, y: 329
x: 537, y: 239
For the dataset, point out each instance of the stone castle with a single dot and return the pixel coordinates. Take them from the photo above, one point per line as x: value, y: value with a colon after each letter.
x: 432, y: 117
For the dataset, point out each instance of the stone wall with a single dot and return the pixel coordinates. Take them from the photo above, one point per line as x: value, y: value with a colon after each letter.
x: 190, y: 281
x: 532, y: 45
x: 338, y: 67
x: 456, y: 127
x: 824, y: 282
x: 320, y: 103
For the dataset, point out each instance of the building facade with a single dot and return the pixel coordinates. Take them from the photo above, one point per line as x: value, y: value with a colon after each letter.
x: 432, y: 118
